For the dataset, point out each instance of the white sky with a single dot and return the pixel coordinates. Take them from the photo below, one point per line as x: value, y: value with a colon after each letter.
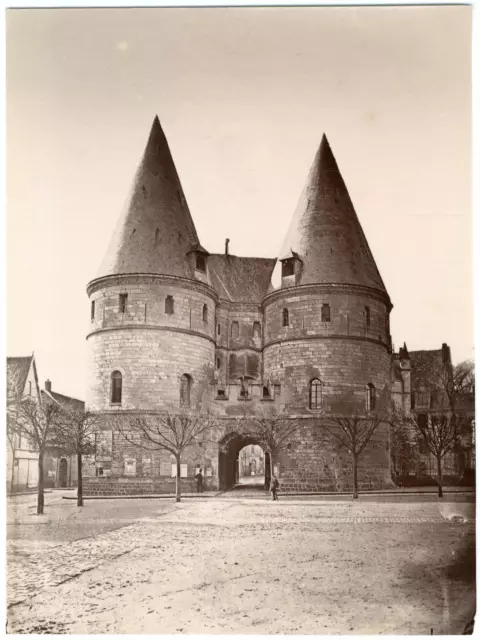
x: 244, y: 96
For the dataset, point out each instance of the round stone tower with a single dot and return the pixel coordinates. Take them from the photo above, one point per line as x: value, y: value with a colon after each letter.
x: 151, y: 339
x: 327, y: 337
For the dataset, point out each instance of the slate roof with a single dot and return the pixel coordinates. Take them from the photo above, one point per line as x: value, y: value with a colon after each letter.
x: 72, y: 403
x: 240, y: 279
x: 17, y: 373
x: 155, y: 231
x: 325, y: 230
x: 428, y: 367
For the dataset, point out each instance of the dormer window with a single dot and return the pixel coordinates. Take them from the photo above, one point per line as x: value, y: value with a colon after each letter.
x: 200, y: 263
x: 288, y: 268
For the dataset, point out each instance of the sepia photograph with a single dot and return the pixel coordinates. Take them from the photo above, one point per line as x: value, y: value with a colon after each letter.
x: 239, y: 271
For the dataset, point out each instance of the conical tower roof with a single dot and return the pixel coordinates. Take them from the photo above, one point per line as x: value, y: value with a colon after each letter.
x: 326, y: 233
x: 156, y: 230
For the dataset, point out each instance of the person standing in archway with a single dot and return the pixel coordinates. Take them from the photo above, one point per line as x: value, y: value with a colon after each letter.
x: 274, y: 487
x: 199, y: 480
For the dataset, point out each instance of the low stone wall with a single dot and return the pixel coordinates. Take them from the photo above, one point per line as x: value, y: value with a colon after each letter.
x: 138, y: 486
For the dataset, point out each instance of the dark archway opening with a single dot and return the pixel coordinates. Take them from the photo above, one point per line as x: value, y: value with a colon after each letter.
x: 236, y: 469
x: 62, y: 473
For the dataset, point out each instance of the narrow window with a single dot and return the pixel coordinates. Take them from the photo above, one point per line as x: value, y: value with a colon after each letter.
x: 200, y: 263
x: 185, y: 390
x: 205, y: 313
x: 325, y: 312
x: 287, y: 268
x: 367, y: 317
x: 92, y: 311
x: 122, y: 302
x: 285, y: 317
x: 169, y: 305
x: 370, y: 397
x: 217, y: 364
x: 235, y: 329
x: 218, y: 329
x: 116, y: 387
x: 315, y: 395
x: 29, y: 387
x: 256, y: 329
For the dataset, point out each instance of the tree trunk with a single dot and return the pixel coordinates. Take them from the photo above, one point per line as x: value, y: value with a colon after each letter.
x: 439, y: 477
x: 355, y: 477
x: 12, y: 482
x: 178, y: 497
x: 40, y: 493
x: 271, y: 466
x: 79, y: 481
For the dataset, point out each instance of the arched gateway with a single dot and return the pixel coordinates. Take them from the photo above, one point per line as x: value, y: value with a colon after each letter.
x: 229, y: 448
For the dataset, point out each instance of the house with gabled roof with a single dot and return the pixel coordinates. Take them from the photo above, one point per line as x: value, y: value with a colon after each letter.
x: 22, y: 458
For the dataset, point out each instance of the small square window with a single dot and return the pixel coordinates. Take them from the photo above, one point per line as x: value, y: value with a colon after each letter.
x: 169, y: 305
x: 122, y: 302
x: 325, y: 313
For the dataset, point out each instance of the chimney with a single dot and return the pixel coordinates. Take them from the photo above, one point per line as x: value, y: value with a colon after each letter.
x: 48, y: 386
x: 226, y: 246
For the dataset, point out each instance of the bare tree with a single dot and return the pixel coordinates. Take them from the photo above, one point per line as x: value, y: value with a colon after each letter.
x: 458, y: 383
x: 171, y: 430
x: 74, y: 435
x: 439, y: 432
x: 35, y: 421
x: 352, y: 432
x: 403, y: 449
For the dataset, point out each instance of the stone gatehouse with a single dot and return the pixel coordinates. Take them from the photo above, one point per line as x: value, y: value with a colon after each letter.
x: 174, y: 325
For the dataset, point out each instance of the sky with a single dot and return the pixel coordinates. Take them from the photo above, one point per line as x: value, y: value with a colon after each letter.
x: 244, y: 96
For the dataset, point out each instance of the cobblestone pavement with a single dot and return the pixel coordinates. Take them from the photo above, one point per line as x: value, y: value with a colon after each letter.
x: 249, y: 566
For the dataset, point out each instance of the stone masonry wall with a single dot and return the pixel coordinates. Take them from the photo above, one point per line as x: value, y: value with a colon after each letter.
x: 311, y: 461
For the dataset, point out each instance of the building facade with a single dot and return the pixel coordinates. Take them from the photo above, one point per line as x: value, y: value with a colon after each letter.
x: 305, y: 334
x: 22, y: 455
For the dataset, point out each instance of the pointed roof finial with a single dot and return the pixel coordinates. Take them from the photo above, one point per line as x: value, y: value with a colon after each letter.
x: 156, y: 230
x: 325, y: 230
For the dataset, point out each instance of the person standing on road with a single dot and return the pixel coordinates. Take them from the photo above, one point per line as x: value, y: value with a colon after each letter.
x: 274, y: 487
x: 199, y: 480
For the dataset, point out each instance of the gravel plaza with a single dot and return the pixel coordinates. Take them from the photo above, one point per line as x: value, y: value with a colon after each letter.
x: 240, y: 563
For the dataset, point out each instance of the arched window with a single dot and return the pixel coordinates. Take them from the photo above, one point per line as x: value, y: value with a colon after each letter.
x: 325, y: 312
x: 185, y: 390
x: 315, y: 394
x: 370, y: 397
x: 235, y: 329
x: 285, y: 319
x: 205, y: 313
x: 116, y: 387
